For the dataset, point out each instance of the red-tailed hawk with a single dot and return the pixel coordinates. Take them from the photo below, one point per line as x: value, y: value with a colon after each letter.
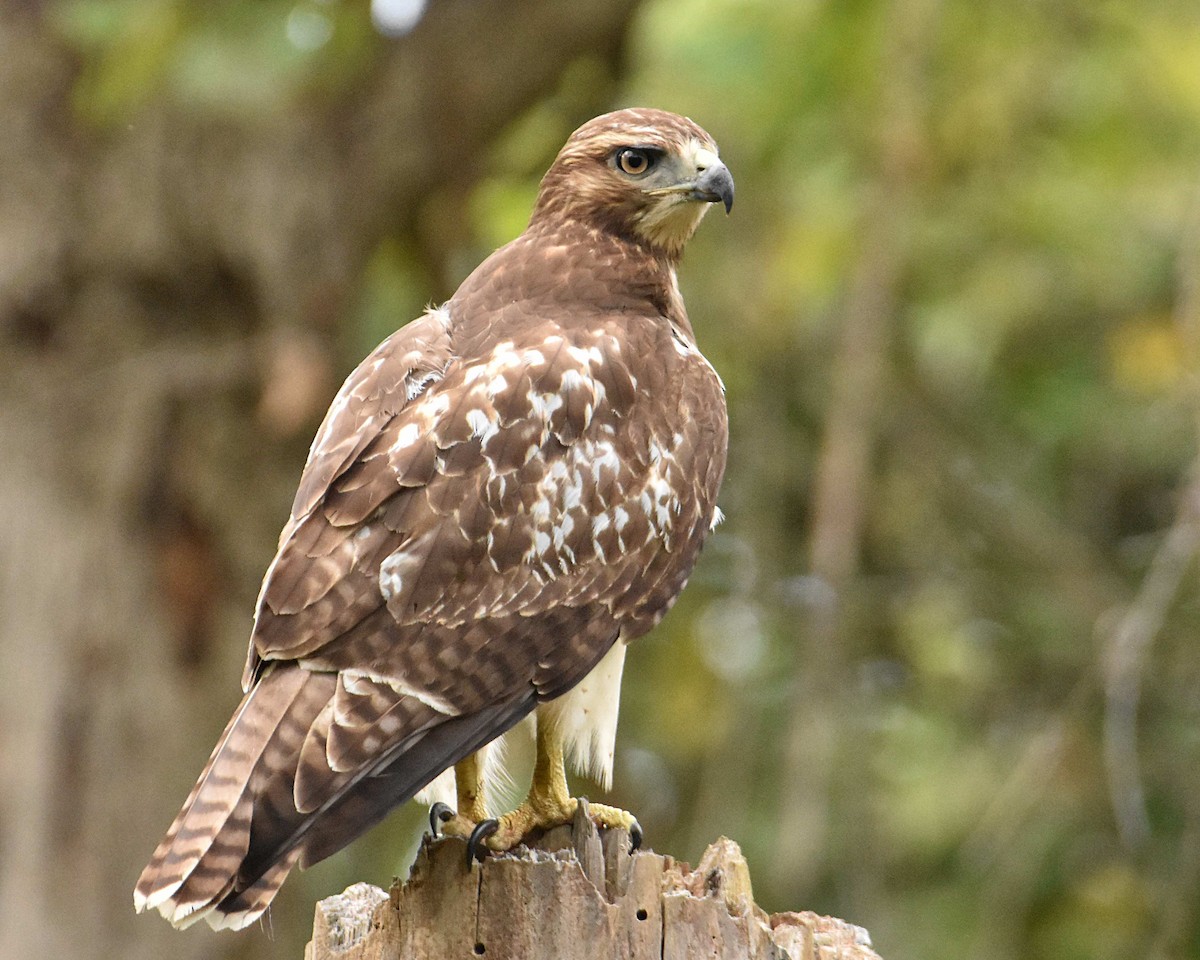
x: 502, y: 496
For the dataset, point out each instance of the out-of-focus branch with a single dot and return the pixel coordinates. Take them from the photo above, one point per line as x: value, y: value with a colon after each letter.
x: 1127, y: 644
x: 843, y: 474
x: 1126, y: 648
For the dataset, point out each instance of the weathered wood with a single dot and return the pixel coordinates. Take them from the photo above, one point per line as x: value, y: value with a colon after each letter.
x: 574, y: 895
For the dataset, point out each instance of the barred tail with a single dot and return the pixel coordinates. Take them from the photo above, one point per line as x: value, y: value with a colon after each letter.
x: 195, y: 869
x: 272, y: 798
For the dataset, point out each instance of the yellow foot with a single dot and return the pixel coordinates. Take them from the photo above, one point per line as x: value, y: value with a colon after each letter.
x: 468, y: 783
x: 443, y: 821
x: 541, y: 815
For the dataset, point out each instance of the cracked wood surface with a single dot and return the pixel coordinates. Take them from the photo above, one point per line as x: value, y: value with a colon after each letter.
x: 574, y: 895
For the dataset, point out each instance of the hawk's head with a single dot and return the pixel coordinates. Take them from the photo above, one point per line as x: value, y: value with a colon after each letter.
x: 646, y: 174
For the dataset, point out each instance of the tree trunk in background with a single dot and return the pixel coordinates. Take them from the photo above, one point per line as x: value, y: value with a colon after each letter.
x: 169, y: 293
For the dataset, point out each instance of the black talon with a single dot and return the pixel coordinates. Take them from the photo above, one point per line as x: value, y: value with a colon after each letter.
x: 635, y: 836
x: 439, y: 813
x: 483, y: 830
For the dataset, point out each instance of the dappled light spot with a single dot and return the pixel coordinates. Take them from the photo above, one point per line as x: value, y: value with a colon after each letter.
x: 395, y: 18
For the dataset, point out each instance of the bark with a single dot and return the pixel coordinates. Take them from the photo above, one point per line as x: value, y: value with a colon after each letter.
x: 170, y: 295
x: 574, y: 896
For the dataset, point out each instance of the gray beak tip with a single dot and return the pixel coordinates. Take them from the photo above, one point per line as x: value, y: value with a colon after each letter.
x: 716, y: 184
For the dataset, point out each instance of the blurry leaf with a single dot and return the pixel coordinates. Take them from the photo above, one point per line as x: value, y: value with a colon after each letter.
x: 392, y: 294
x: 230, y: 58
x: 815, y: 240
x: 1103, y: 916
x: 250, y: 57
x: 1146, y: 355
x: 128, y: 46
x: 945, y: 645
x: 937, y: 781
x: 500, y: 209
x: 1168, y: 54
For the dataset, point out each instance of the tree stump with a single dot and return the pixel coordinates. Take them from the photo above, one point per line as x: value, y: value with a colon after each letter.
x: 573, y: 895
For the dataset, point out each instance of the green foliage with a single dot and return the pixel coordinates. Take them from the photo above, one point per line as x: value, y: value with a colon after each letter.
x: 226, y: 58
x: 390, y: 288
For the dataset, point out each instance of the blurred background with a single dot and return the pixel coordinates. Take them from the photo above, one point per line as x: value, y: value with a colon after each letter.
x: 937, y: 672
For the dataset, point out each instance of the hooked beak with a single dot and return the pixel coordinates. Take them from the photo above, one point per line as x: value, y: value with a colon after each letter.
x: 714, y: 184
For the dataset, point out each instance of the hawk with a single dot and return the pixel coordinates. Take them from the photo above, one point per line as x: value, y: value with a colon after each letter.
x: 502, y: 496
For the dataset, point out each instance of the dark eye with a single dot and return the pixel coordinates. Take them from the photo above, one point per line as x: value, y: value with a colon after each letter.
x: 635, y: 161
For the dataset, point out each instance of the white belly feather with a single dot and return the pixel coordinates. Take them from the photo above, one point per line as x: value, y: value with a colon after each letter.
x: 587, y: 717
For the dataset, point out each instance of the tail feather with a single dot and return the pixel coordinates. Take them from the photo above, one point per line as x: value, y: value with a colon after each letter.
x: 245, y: 825
x: 212, y: 876
x: 241, y: 908
x: 210, y: 837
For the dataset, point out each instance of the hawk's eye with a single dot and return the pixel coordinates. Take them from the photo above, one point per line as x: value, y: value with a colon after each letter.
x: 635, y: 161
